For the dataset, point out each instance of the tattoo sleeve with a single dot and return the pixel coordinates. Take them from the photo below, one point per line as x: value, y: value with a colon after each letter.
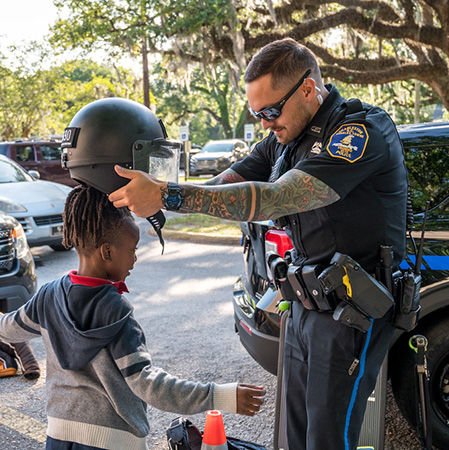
x: 294, y: 192
x: 226, y: 177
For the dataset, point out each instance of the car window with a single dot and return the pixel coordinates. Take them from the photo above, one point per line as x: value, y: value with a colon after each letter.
x: 217, y: 147
x: 428, y: 175
x: 51, y: 152
x: 25, y: 153
x: 11, y: 173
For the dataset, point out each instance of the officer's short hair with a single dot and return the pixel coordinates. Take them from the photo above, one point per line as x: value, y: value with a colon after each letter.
x: 286, y: 60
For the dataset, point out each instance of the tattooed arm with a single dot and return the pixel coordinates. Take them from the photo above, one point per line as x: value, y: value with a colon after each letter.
x: 296, y: 191
x: 226, y: 177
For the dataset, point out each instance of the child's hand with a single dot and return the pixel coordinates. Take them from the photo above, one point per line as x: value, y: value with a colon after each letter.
x: 249, y: 399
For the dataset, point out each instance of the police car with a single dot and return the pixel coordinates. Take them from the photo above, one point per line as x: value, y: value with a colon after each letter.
x: 427, y: 157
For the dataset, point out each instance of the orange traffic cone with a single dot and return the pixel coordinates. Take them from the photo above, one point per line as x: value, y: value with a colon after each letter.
x: 214, y: 436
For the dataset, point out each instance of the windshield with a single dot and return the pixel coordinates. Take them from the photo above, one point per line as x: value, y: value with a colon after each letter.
x: 12, y: 173
x: 217, y: 147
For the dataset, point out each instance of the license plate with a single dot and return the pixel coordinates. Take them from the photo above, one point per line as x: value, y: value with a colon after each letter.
x: 56, y: 231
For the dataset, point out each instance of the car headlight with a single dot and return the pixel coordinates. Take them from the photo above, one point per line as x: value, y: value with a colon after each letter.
x: 8, y: 206
x: 20, y: 241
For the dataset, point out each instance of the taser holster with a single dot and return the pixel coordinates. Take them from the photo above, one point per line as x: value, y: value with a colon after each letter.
x: 364, y: 298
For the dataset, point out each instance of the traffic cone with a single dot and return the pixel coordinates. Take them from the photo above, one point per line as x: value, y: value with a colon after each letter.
x: 214, y: 436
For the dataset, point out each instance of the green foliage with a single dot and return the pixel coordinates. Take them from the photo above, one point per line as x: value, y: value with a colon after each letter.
x: 397, y: 98
x: 24, y: 97
x: 428, y: 169
x: 42, y: 101
x: 206, y: 104
x: 123, y: 24
x: 203, y: 47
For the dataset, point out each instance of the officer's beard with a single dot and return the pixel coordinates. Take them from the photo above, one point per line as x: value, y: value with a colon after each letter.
x: 290, y: 132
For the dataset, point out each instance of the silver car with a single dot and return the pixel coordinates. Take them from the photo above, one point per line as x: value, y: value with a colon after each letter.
x: 38, y: 205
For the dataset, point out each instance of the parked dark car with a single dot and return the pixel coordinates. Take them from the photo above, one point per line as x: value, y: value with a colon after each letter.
x: 427, y: 157
x: 43, y: 157
x: 182, y: 156
x: 18, y: 280
x: 217, y: 156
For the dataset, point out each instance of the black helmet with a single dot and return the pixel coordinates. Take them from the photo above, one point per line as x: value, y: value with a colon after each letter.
x: 112, y: 131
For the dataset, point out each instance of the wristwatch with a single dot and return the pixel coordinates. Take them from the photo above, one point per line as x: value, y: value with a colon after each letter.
x: 173, y: 197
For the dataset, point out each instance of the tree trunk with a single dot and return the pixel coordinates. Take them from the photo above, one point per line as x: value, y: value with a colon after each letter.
x: 146, y: 77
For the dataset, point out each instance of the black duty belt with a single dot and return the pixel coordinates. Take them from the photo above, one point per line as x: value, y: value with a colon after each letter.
x: 344, y: 288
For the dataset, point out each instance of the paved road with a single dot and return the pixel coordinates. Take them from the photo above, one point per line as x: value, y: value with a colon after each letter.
x: 183, y: 301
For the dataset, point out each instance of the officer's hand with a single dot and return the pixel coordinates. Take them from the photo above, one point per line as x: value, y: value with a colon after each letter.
x: 142, y: 195
x: 249, y: 399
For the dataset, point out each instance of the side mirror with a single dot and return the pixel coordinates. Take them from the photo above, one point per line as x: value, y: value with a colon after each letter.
x: 35, y: 174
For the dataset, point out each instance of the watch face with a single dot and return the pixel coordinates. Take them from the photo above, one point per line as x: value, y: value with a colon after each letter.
x: 173, y: 201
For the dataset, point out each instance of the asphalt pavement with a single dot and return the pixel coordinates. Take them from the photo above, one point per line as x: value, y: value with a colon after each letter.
x: 183, y: 301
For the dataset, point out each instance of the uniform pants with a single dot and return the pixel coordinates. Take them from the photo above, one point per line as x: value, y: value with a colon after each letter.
x: 330, y: 370
x: 55, y: 444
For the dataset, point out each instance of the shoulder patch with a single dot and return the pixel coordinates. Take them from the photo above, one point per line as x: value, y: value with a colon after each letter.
x: 348, y: 142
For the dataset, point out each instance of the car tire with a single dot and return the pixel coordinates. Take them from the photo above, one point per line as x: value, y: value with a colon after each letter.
x: 404, y: 378
x: 60, y: 248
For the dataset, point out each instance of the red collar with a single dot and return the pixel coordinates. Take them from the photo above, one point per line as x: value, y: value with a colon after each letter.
x: 94, y: 282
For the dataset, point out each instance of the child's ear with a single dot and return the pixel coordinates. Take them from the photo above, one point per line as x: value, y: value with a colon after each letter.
x: 106, y: 252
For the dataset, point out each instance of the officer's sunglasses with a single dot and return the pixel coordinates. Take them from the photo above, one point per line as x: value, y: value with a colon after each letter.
x: 273, y: 112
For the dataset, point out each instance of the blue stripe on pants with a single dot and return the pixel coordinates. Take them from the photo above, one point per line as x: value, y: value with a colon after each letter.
x: 356, y: 384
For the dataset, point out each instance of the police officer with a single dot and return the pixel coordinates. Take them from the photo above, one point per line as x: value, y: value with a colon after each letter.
x: 333, y: 171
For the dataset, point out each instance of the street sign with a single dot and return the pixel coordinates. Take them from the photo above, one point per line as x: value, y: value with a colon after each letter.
x: 249, y: 132
x: 184, y: 133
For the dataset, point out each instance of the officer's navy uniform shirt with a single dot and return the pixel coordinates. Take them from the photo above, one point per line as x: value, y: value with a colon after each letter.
x: 358, y: 153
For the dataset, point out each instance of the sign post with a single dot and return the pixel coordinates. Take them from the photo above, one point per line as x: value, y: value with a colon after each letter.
x: 249, y: 133
x: 184, y: 133
x: 184, y: 136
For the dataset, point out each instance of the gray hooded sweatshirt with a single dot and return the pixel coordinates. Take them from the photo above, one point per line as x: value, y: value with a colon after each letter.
x: 99, y: 372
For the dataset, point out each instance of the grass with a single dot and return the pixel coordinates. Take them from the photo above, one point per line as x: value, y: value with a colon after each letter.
x: 193, y: 180
x: 200, y: 223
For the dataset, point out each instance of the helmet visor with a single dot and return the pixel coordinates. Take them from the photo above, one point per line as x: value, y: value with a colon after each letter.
x: 159, y: 158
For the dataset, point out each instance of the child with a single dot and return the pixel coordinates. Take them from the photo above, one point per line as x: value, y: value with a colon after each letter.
x: 99, y: 371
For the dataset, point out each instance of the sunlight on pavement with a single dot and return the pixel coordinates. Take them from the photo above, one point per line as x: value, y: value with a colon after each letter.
x: 23, y: 424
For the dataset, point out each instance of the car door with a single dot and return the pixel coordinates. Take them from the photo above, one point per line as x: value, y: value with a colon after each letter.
x: 50, y: 156
x: 25, y: 155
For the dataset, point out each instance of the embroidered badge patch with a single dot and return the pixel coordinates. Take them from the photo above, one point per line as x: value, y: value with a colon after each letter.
x: 348, y: 142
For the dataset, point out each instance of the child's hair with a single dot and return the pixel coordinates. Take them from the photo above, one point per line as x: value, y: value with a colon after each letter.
x: 90, y: 219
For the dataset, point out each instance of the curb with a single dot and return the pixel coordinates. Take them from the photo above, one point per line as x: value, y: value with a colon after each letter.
x: 198, y: 237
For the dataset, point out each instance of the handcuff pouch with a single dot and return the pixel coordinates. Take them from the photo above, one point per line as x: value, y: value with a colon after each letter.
x: 324, y: 302
x: 297, y: 284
